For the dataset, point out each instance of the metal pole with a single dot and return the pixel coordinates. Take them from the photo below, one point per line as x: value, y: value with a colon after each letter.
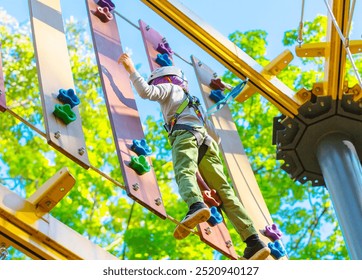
x: 342, y: 172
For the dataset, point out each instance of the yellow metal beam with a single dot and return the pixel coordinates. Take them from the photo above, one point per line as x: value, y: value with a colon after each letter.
x: 42, y: 236
x: 321, y: 49
x: 336, y: 56
x: 227, y: 53
x: 269, y: 71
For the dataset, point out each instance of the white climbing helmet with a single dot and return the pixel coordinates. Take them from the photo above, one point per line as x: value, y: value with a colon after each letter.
x: 166, y: 71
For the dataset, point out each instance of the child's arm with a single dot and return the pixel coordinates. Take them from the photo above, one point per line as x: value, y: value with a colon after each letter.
x: 127, y: 63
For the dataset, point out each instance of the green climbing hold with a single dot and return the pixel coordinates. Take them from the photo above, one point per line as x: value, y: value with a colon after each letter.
x: 140, y: 164
x: 65, y: 113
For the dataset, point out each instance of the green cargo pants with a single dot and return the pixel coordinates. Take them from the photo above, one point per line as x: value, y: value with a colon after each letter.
x: 184, y: 157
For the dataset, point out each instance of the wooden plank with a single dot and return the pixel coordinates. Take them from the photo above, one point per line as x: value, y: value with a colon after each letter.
x: 233, y: 152
x: 122, y: 111
x: 151, y: 39
x: 43, y: 236
x: 55, y: 73
x: 2, y: 85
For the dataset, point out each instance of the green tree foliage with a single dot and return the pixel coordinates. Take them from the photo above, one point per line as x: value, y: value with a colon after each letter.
x: 101, y: 211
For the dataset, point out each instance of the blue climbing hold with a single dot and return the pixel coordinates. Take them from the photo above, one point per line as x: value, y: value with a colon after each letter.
x: 140, y: 147
x: 216, y: 95
x: 277, y: 249
x: 216, y: 217
x: 68, y: 97
x: 163, y: 59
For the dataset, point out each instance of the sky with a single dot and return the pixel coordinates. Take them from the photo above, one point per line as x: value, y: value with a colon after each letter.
x: 275, y: 17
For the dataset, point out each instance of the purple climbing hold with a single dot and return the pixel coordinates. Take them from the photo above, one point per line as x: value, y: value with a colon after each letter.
x: 273, y: 232
x: 106, y: 3
x: 164, y: 48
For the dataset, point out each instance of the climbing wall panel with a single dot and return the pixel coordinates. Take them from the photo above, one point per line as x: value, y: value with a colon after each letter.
x: 2, y: 85
x: 156, y: 46
x: 122, y: 110
x: 55, y: 74
x: 236, y: 161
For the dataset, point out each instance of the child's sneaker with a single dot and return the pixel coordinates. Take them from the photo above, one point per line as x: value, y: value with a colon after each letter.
x: 197, y: 213
x: 257, y: 252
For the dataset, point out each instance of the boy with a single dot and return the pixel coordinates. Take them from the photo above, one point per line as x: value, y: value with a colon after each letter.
x: 192, y: 150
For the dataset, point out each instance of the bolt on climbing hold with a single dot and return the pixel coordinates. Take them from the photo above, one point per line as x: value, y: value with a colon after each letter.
x: 208, y: 230
x: 106, y: 3
x: 164, y: 48
x: 136, y: 187
x: 216, y: 95
x: 272, y: 232
x: 158, y: 201
x: 217, y: 84
x: 229, y: 244
x: 140, y: 147
x: 68, y: 97
x: 103, y: 13
x: 163, y: 59
x: 277, y: 249
x: 65, y: 113
x: 215, y: 217
x: 139, y: 164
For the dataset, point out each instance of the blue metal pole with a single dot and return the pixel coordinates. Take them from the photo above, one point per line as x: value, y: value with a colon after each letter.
x: 342, y: 172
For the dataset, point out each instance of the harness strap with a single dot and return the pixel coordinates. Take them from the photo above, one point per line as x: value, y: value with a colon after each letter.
x: 202, y: 142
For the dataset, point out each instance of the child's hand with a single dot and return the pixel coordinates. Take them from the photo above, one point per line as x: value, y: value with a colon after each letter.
x: 127, y: 63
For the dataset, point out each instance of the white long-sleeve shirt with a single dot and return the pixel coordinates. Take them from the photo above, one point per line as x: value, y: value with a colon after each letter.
x: 170, y: 97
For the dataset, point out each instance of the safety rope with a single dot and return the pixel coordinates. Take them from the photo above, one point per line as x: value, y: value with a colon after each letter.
x: 345, y: 43
x: 350, y: 18
x: 231, y: 95
x: 301, y: 24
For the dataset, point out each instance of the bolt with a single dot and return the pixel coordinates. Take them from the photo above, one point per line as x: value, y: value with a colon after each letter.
x: 136, y: 186
x: 208, y: 230
x: 62, y: 189
x: 200, y: 63
x: 148, y: 27
x: 1, y: 92
x: 57, y: 134
x: 229, y: 244
x: 215, y: 75
x: 164, y: 40
x: 48, y: 203
x: 158, y: 201
x: 81, y: 151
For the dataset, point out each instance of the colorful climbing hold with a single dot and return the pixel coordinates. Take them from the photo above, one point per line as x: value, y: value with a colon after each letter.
x: 163, y: 59
x: 103, y: 14
x: 106, y: 3
x: 272, y: 232
x: 211, y: 198
x: 216, y: 217
x: 65, y: 113
x: 68, y: 97
x: 216, y: 95
x: 164, y: 48
x: 140, y: 147
x: 277, y: 249
x: 139, y: 164
x: 217, y: 84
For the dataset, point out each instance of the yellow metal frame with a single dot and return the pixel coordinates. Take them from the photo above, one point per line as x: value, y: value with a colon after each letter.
x: 227, y: 53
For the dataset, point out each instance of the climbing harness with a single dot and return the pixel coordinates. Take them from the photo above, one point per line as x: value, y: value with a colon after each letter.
x: 202, y: 142
x: 231, y: 95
